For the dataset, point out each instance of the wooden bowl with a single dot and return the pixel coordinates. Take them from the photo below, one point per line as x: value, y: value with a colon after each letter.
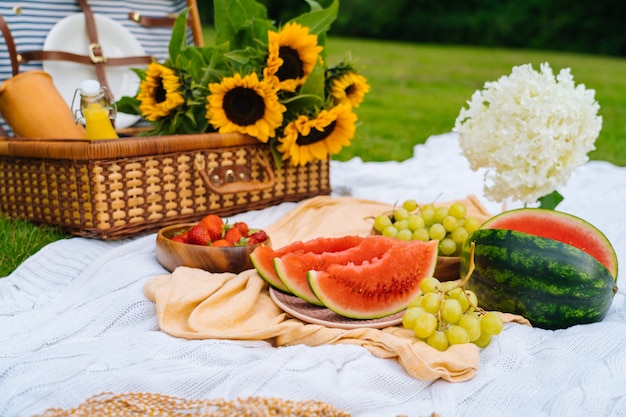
x: 448, y: 268
x: 172, y: 254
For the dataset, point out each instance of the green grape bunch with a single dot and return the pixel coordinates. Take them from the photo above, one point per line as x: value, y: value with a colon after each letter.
x: 446, y: 314
x: 449, y: 225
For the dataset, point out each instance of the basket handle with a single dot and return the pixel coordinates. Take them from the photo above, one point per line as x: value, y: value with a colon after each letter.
x: 233, y: 179
x: 10, y: 42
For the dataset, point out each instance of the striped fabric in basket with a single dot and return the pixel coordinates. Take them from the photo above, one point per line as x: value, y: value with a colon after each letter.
x: 31, y: 21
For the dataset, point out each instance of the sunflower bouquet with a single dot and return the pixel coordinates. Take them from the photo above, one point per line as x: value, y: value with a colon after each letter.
x: 259, y: 79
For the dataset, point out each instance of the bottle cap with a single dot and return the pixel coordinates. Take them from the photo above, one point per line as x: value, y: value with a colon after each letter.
x: 90, y: 87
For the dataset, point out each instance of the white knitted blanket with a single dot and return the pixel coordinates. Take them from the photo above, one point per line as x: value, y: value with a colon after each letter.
x: 74, y: 322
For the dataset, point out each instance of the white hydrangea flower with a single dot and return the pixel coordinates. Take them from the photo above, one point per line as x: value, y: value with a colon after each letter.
x: 530, y: 131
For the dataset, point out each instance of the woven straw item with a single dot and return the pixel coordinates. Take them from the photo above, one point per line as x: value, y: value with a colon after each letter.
x: 149, y: 404
x: 118, y: 188
x: 152, y: 404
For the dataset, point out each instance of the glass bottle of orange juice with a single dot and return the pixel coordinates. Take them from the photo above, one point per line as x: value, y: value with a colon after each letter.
x: 97, y: 111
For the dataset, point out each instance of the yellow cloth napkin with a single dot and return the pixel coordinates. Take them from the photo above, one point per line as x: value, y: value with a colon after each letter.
x: 196, y: 304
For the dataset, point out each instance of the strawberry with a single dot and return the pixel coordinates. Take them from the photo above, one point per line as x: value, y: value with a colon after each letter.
x: 257, y: 237
x: 181, y: 237
x: 199, y: 235
x: 214, y: 224
x: 222, y: 242
x: 243, y: 228
x: 234, y: 236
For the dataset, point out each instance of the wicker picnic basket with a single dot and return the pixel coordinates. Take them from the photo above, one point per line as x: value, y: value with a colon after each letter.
x: 118, y: 188
x: 113, y: 189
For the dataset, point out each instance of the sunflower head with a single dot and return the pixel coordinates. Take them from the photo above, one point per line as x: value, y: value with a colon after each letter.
x: 309, y: 138
x: 159, y: 92
x: 345, y: 85
x: 292, y: 55
x: 244, y: 105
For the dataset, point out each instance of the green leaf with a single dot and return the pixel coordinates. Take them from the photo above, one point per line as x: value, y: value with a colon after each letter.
x: 314, y: 84
x: 128, y: 105
x: 178, y: 41
x: 232, y: 17
x: 319, y: 19
x: 550, y: 201
x: 302, y: 104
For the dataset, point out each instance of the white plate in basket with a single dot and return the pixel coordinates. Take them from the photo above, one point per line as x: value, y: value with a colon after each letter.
x: 70, y: 35
x: 313, y: 314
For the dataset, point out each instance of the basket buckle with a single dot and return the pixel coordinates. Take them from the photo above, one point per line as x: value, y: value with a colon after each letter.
x: 96, y: 59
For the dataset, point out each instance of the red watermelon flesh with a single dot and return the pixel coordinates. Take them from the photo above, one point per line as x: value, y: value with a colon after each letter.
x: 559, y: 226
x: 378, y: 288
x: 263, y: 256
x: 292, y: 267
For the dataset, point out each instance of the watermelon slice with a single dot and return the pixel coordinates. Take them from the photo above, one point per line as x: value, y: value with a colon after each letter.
x: 377, y: 288
x: 292, y: 267
x: 560, y: 226
x: 263, y: 256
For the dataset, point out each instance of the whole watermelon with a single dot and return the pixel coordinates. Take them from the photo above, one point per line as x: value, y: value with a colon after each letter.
x: 551, y: 283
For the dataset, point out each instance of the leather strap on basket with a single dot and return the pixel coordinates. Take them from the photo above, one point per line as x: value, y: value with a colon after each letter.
x: 95, y: 54
x: 95, y: 50
x: 151, y: 21
x: 94, y: 57
x: 168, y: 21
x: 8, y: 38
x: 233, y: 179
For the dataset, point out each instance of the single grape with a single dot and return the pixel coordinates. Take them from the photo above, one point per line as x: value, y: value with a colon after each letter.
x: 456, y: 335
x: 471, y: 324
x: 447, y: 247
x: 428, y: 206
x: 463, y: 300
x: 400, y: 213
x: 438, y: 340
x: 390, y: 231
x: 410, y: 315
x: 459, y: 235
x: 421, y: 234
x: 409, y: 205
x: 472, y: 298
x: 381, y: 221
x: 441, y: 213
x: 431, y: 302
x: 425, y: 325
x: 454, y: 292
x: 458, y: 210
x: 437, y: 231
x: 450, y: 223
x: 448, y: 286
x: 483, y: 340
x: 416, y: 222
x: 451, y: 310
x: 471, y: 224
x: 429, y: 284
x: 405, y: 234
x: 491, y: 322
x: 428, y: 214
x: 401, y: 224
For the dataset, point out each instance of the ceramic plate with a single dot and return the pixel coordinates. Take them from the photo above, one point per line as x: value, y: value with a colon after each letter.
x: 313, y: 314
x: 70, y: 35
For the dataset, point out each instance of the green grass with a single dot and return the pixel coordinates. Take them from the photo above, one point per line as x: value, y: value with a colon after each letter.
x: 19, y: 239
x: 416, y: 91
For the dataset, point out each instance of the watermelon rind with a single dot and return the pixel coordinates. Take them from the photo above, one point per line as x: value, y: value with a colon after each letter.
x: 378, y: 288
x: 552, y: 284
x: 561, y: 226
x: 263, y: 261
